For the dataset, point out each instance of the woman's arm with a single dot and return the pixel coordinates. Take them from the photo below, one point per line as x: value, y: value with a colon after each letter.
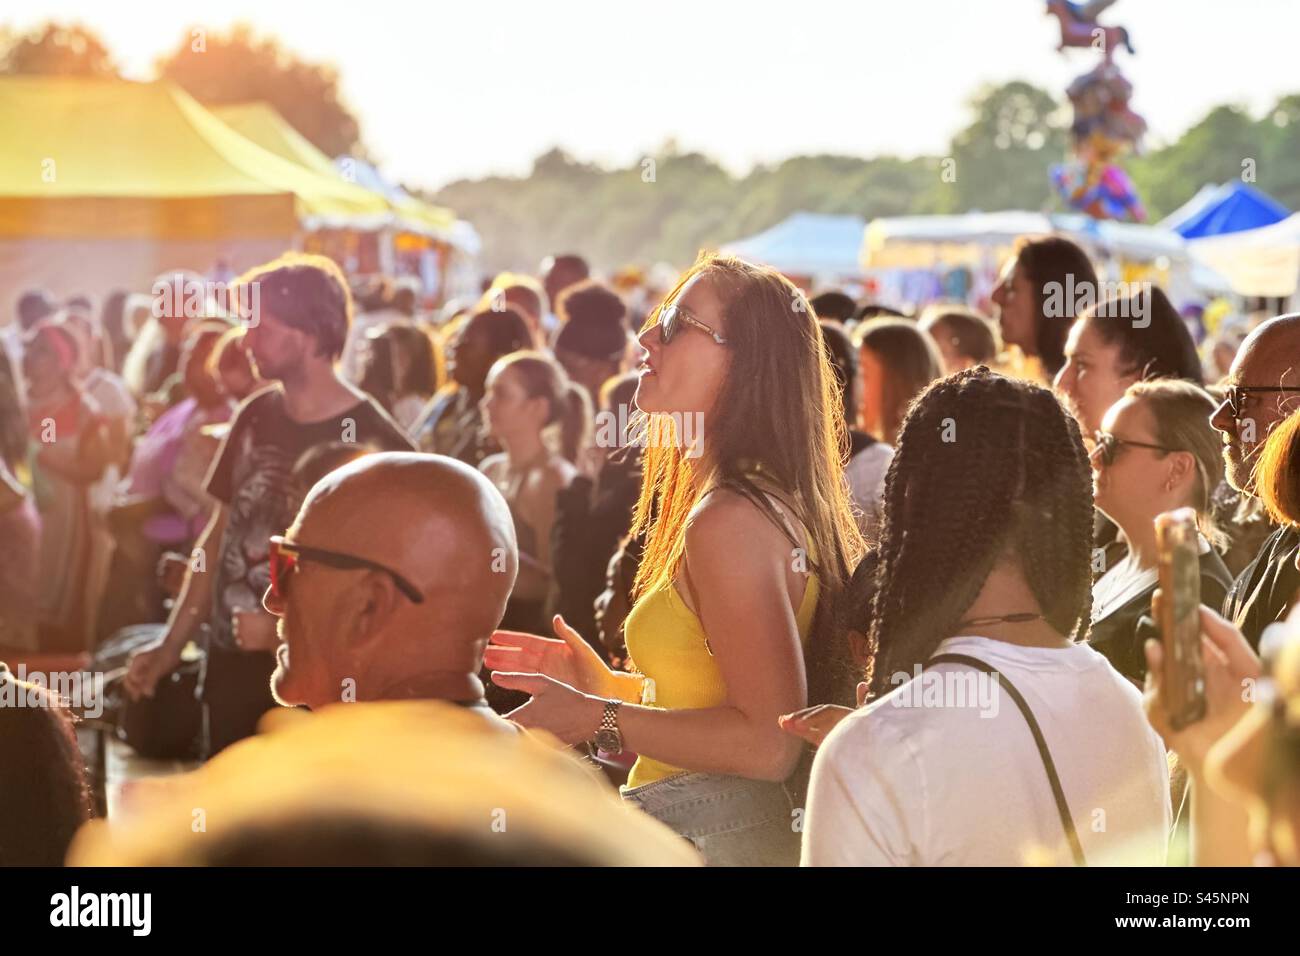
x: 748, y: 615
x: 746, y: 609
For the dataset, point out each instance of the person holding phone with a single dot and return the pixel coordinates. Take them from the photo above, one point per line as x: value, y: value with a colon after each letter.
x: 1155, y: 451
x: 745, y: 429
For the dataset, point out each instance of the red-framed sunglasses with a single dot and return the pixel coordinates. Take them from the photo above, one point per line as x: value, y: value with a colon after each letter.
x: 286, y: 555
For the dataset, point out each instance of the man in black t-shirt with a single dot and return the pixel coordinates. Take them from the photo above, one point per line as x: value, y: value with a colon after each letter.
x: 1263, y: 389
x: 295, y: 335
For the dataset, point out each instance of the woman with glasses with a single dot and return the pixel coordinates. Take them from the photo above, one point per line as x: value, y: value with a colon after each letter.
x: 1117, y: 343
x: 1155, y: 452
x: 749, y: 536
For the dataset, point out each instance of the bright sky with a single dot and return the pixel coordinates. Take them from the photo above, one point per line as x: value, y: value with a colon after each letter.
x: 448, y: 90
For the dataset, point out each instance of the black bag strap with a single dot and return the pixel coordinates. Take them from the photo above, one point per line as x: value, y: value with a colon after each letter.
x: 1063, y: 808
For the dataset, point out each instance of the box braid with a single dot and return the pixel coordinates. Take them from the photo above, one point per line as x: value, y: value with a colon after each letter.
x: 1014, y: 478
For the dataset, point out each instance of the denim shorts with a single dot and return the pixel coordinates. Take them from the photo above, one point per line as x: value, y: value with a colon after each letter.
x: 732, y: 821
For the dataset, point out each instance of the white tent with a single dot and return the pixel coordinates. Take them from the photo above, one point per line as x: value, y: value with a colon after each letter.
x: 923, y: 241
x: 1263, y: 262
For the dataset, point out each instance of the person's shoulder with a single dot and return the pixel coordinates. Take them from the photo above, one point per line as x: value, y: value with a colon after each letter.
x: 723, y: 518
x: 269, y: 396
x: 877, y: 452
x: 388, y: 430
x: 870, y: 463
x: 492, y: 463
x: 558, y: 472
x: 726, y: 511
x: 882, y: 734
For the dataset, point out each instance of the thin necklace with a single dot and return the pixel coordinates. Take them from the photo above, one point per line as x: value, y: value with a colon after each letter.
x: 1023, y: 617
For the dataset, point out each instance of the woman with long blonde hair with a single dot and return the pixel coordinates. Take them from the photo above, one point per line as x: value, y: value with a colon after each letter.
x: 749, y: 537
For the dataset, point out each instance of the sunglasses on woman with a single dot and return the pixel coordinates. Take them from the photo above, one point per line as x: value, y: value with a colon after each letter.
x: 287, y: 555
x: 671, y: 318
x: 1107, y: 447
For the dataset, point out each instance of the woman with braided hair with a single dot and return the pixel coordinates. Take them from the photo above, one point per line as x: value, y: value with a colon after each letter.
x: 976, y: 639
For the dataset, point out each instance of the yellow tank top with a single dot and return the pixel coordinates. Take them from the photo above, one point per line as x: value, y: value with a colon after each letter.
x: 667, y: 643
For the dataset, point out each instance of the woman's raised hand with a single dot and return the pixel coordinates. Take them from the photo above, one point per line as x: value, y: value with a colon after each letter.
x: 567, y: 658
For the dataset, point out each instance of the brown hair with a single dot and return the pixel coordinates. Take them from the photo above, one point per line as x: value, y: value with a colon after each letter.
x: 1053, y: 260
x: 570, y: 408
x: 910, y: 360
x: 781, y: 410
x: 1277, y: 472
x: 971, y: 334
x: 308, y: 293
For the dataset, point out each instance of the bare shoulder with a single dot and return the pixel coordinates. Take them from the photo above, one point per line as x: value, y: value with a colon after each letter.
x: 559, y: 472
x: 728, y: 523
x: 547, y: 481
x: 491, y: 465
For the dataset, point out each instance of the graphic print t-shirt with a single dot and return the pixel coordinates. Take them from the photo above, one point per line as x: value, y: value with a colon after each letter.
x: 253, y: 476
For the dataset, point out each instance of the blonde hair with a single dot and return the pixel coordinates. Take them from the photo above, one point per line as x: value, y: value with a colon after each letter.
x: 1180, y: 411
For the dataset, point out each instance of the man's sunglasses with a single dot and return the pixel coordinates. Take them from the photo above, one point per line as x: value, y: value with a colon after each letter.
x: 1107, y: 447
x: 671, y: 318
x: 1236, y: 395
x: 286, y: 555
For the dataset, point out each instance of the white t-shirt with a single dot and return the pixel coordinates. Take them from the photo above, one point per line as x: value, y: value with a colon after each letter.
x: 865, y: 474
x: 909, y: 782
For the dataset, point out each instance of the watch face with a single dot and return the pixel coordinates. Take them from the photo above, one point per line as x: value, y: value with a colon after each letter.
x: 609, y: 741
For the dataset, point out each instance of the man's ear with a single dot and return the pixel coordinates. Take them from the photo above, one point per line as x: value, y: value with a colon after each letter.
x: 371, y: 607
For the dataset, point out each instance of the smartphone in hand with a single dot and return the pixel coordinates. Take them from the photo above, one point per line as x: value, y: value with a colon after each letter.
x: 1178, y: 545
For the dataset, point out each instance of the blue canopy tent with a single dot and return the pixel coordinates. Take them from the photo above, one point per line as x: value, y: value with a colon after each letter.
x: 807, y: 244
x: 1219, y: 210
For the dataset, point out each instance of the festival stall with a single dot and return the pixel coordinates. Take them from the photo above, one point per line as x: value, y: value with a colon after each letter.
x: 811, y: 249
x: 107, y: 183
x: 1262, y: 262
x: 1220, y: 210
x: 415, y: 238
x: 911, y: 260
x: 423, y: 240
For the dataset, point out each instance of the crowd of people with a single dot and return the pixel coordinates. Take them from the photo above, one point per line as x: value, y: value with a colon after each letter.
x: 712, y: 573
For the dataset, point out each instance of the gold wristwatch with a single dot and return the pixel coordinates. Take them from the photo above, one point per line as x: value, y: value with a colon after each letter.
x: 608, y: 737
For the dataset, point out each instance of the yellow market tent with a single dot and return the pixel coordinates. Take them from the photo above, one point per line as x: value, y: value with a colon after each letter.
x: 89, y: 157
x: 104, y: 183
x: 263, y: 124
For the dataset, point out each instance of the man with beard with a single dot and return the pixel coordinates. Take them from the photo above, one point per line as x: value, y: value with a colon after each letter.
x: 1263, y: 388
x: 295, y: 340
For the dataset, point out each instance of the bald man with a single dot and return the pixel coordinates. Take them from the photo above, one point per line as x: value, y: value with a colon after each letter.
x: 390, y: 582
x: 1263, y: 389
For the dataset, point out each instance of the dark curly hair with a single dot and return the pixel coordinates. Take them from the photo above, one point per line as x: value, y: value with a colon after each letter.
x: 985, y: 466
x: 44, y: 793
